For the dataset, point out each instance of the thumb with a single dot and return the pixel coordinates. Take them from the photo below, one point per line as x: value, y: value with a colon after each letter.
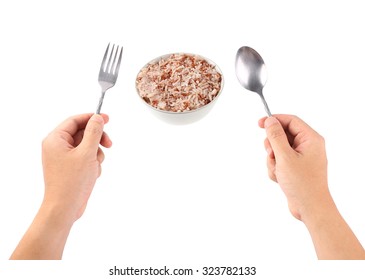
x: 277, y: 136
x: 93, y: 133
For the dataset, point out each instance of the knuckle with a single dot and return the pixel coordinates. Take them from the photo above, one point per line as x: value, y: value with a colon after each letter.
x: 93, y: 129
x: 276, y: 132
x: 46, y: 141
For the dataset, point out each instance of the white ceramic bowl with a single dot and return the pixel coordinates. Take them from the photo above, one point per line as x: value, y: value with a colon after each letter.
x: 184, y: 117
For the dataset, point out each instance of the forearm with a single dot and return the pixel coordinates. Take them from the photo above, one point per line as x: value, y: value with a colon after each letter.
x: 46, y: 237
x: 331, y: 235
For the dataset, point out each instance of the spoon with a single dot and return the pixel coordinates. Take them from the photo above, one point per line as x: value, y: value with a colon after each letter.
x: 251, y: 72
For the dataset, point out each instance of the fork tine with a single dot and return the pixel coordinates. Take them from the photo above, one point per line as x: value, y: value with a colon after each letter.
x: 119, y: 60
x: 104, y: 58
x: 112, y: 68
x: 108, y: 68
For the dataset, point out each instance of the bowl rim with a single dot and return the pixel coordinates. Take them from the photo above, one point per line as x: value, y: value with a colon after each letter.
x: 211, y: 62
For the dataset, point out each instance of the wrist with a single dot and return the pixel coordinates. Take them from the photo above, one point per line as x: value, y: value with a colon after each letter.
x: 331, y: 236
x: 317, y: 211
x: 56, y: 215
x: 62, y: 203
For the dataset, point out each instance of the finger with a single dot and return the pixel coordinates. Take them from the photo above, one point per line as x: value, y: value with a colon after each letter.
x: 105, y: 117
x: 290, y: 123
x: 105, y: 140
x: 99, y: 172
x: 74, y: 123
x: 268, y: 148
x: 100, y: 156
x: 293, y: 125
x: 77, y: 122
x: 271, y: 163
x: 262, y: 122
x: 298, y: 132
x: 93, y: 133
x: 277, y: 136
x: 78, y: 137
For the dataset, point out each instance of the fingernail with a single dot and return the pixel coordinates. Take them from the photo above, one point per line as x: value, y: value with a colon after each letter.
x: 98, y: 118
x: 270, y: 121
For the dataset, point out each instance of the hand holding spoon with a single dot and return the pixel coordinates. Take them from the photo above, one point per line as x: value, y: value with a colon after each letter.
x: 251, y: 72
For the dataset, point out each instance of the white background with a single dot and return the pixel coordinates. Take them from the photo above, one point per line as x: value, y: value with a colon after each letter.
x: 184, y: 196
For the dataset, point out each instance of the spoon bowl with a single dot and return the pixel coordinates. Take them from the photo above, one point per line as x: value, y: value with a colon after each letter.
x: 251, y: 72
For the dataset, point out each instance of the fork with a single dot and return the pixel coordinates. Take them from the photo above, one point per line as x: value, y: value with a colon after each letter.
x: 109, y: 71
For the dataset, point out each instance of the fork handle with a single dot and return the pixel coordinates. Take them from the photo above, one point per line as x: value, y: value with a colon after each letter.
x: 100, y: 102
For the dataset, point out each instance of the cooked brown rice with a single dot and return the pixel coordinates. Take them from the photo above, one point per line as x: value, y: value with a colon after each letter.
x: 179, y: 83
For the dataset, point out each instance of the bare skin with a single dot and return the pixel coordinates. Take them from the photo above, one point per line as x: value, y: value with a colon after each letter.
x: 297, y: 161
x: 72, y: 161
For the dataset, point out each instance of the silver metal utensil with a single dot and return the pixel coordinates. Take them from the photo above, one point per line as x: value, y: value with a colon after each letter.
x: 251, y: 72
x: 109, y: 71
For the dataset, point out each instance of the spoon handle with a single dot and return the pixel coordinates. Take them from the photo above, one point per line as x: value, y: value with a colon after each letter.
x: 265, y: 104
